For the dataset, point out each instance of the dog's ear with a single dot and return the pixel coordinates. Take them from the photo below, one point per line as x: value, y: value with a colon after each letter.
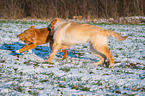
x: 53, y: 23
x: 32, y: 27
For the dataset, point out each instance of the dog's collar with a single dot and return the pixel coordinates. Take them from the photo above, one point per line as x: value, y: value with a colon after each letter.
x: 48, y: 28
x: 50, y: 35
x: 50, y: 32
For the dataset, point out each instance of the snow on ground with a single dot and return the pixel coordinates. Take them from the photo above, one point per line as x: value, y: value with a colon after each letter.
x: 28, y: 74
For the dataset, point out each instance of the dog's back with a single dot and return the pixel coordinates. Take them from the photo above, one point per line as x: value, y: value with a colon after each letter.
x: 41, y: 36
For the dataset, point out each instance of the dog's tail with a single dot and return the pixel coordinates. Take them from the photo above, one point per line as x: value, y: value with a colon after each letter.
x: 115, y: 35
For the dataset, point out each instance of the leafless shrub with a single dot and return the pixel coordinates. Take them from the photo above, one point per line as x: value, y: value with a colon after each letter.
x: 88, y: 9
x: 13, y: 9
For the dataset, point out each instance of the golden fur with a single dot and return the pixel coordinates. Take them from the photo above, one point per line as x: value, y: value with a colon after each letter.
x: 68, y: 34
x: 33, y: 37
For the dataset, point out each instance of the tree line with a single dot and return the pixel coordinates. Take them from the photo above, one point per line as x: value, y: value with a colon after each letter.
x: 88, y: 9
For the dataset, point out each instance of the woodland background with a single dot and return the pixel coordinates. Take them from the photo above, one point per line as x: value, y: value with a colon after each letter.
x: 88, y: 9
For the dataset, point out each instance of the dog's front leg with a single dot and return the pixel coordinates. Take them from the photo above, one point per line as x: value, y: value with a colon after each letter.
x: 64, y: 47
x: 64, y: 54
x: 55, y: 48
x: 26, y: 47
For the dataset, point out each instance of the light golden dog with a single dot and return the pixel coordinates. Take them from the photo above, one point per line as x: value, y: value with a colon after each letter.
x: 68, y: 34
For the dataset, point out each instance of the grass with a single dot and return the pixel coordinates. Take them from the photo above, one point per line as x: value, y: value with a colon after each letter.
x: 29, y: 74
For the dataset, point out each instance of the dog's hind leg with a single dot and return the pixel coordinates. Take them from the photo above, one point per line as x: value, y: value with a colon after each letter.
x: 104, y: 50
x: 98, y: 54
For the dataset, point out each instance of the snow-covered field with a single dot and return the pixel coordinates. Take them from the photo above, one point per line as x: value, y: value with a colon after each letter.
x: 28, y: 74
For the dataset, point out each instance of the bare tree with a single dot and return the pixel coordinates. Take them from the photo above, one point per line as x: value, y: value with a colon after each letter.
x: 68, y: 8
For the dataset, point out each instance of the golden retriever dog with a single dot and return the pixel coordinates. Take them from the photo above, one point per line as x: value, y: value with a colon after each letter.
x: 33, y: 37
x: 68, y: 34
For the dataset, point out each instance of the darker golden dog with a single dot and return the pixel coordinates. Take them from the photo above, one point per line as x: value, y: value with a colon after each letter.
x: 67, y: 34
x: 33, y: 37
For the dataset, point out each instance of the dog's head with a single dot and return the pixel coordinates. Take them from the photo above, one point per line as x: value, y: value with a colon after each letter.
x: 28, y: 36
x: 51, y: 26
x: 54, y: 22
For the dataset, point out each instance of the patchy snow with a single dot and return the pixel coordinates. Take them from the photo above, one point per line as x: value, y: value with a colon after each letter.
x: 28, y: 73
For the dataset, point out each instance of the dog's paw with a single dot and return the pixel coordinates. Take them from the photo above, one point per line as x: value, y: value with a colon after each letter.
x: 98, y: 63
x: 17, y: 51
x: 48, y: 60
x: 110, y: 66
x: 95, y: 64
x: 63, y: 58
x: 30, y: 51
